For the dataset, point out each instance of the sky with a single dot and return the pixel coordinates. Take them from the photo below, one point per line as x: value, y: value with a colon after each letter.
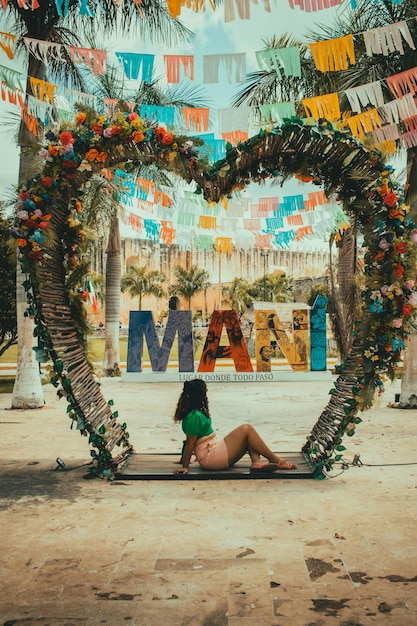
x: 212, y: 36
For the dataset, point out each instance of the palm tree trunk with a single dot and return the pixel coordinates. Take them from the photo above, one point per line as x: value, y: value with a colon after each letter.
x: 27, y: 389
x: 343, y: 306
x: 88, y: 406
x: 408, y: 395
x: 111, y: 362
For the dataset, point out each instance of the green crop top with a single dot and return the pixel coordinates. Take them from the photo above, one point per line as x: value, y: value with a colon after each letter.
x: 196, y: 423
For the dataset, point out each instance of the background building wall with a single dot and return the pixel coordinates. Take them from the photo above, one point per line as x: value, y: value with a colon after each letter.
x: 299, y: 265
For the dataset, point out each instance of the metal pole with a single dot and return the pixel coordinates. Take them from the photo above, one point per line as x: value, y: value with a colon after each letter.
x: 264, y: 254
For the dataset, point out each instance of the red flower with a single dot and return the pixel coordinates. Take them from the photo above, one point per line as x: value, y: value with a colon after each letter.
x: 35, y: 254
x: 116, y: 130
x: 167, y: 139
x: 390, y: 199
x: 399, y: 270
x: 69, y: 165
x: 407, y: 309
x: 400, y: 248
x: 24, y: 195
x: 47, y: 181
x: 97, y: 129
x: 66, y: 138
x: 43, y: 225
x: 160, y: 132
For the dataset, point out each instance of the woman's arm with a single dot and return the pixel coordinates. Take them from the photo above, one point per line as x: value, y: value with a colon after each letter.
x: 186, y: 455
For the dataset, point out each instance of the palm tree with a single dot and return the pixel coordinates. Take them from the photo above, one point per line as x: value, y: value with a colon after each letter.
x: 141, y: 281
x: 189, y: 282
x: 277, y: 287
x: 237, y: 294
x: 100, y: 212
x: 48, y: 23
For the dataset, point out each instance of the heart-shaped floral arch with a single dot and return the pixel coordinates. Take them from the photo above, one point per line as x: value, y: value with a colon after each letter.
x: 51, y: 242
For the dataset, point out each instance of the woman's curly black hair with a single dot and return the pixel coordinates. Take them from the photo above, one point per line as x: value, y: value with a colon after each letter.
x: 193, y: 397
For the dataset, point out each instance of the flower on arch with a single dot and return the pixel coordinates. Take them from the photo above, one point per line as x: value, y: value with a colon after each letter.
x: 376, y: 307
x: 101, y: 157
x: 92, y: 154
x: 66, y: 138
x: 400, y: 247
x: 84, y: 166
x: 80, y: 118
x: 407, y: 309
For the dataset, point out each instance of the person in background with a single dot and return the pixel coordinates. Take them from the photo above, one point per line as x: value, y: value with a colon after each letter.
x: 193, y: 413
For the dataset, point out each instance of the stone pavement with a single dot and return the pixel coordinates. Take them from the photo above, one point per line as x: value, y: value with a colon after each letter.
x: 340, y: 551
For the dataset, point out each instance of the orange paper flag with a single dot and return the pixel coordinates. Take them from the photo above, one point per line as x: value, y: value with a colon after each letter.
x: 333, y: 55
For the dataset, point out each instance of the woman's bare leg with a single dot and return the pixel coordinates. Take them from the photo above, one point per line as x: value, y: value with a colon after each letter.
x: 245, y: 439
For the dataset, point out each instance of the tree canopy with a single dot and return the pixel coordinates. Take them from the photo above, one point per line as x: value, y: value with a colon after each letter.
x: 141, y: 281
x: 189, y: 282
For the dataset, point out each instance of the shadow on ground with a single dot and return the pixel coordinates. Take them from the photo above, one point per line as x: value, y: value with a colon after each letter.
x: 33, y: 482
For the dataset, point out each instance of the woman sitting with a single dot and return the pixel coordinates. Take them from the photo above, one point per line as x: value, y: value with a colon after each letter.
x: 218, y: 454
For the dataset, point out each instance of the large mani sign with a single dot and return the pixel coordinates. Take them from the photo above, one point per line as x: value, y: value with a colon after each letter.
x: 308, y: 339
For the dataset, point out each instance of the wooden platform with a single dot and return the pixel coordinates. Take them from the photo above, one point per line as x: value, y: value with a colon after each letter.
x: 161, y: 467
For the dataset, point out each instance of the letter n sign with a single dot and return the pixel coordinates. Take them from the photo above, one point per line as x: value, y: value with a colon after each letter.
x: 318, y: 340
x: 142, y: 323
x: 236, y: 349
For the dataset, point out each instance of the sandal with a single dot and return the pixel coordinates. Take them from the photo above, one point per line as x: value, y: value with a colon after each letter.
x: 263, y: 468
x: 285, y: 465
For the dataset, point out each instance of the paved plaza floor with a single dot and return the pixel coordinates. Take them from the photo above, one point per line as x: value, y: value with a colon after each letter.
x: 340, y: 551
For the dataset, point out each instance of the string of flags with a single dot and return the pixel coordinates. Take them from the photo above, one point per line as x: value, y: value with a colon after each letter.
x: 328, y: 56
x: 184, y: 218
x: 235, y: 124
x: 231, y: 7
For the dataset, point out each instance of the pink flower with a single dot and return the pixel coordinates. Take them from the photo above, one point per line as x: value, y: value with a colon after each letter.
x: 412, y: 298
x: 133, y: 116
x: 384, y: 289
x: 413, y: 236
x: 409, y: 284
x: 383, y: 244
x: 397, y: 322
x: 107, y: 132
